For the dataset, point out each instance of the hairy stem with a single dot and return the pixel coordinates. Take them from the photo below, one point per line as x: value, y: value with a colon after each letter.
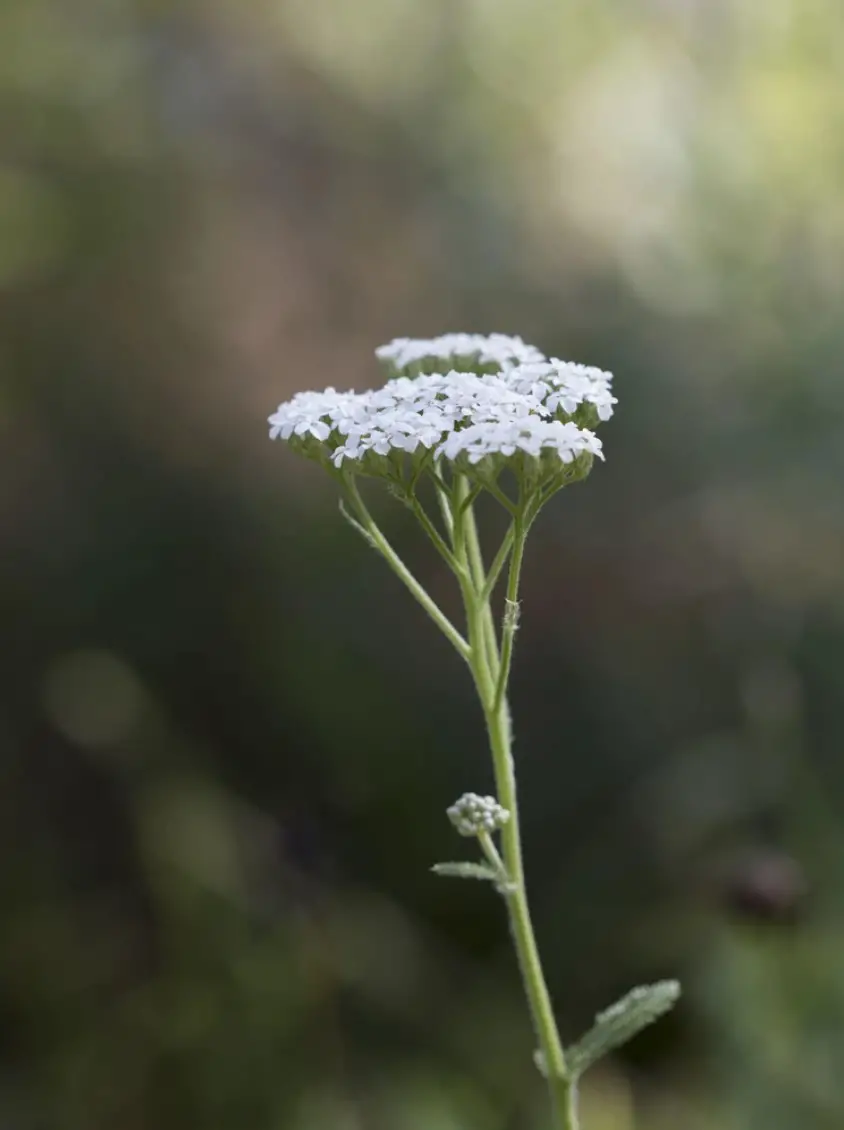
x: 511, y: 614
x: 491, y: 675
x: 491, y: 671
x: 476, y: 567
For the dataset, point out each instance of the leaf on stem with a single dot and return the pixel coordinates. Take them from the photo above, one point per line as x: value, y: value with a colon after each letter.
x: 465, y: 870
x: 621, y: 1022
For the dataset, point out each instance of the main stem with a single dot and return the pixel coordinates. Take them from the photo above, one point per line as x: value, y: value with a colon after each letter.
x: 536, y: 990
x: 491, y: 672
x: 490, y: 669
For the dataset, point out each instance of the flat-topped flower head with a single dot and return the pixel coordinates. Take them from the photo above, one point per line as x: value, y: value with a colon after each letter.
x: 568, y: 390
x: 478, y: 353
x: 538, y: 450
x: 514, y: 411
x: 312, y: 422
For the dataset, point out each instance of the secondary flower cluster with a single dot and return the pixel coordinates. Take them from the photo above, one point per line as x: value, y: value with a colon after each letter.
x: 475, y: 352
x: 473, y: 814
x: 478, y: 399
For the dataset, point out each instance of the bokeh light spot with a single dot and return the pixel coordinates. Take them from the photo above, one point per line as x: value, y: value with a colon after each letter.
x: 93, y: 698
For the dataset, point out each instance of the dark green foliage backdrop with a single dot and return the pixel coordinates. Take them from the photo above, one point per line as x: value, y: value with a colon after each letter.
x: 229, y: 738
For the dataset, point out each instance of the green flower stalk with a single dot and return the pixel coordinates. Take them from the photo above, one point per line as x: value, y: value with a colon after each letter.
x: 466, y: 414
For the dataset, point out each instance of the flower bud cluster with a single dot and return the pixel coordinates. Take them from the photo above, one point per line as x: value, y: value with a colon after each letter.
x: 472, y: 814
x: 481, y: 403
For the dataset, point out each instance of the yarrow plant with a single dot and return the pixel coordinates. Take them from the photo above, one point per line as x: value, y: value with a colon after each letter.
x: 460, y: 416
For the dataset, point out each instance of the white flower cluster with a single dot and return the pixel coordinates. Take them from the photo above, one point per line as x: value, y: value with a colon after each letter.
x: 496, y: 350
x: 316, y: 414
x: 530, y: 434
x: 565, y: 385
x: 473, y: 814
x: 527, y: 404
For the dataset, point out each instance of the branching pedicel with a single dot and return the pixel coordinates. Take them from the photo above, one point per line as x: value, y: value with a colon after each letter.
x: 466, y: 414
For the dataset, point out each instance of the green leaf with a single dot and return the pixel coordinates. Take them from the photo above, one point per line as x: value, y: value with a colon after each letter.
x: 467, y: 871
x: 621, y: 1022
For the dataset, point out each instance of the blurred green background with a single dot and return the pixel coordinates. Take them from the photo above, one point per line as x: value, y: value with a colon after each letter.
x: 229, y: 737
